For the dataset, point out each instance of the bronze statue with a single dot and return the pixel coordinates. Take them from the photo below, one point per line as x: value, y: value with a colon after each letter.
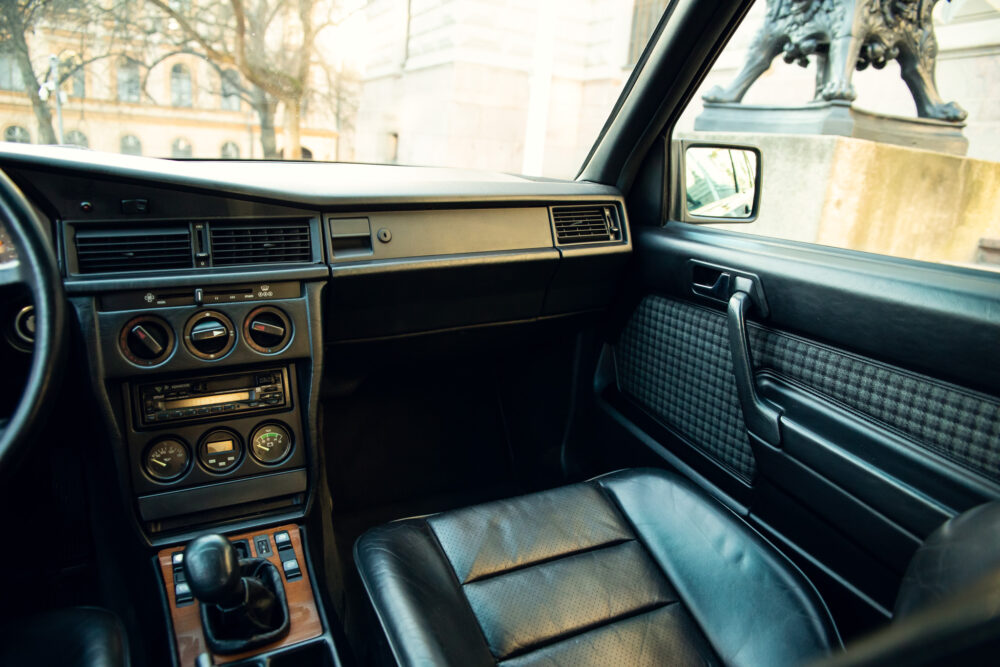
x: 842, y: 35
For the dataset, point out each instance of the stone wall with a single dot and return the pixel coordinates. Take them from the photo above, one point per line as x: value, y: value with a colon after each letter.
x: 874, y: 197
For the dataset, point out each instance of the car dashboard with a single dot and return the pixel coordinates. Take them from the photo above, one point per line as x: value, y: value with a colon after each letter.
x: 210, y: 296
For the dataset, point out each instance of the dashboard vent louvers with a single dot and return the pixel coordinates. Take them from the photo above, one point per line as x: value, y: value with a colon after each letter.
x: 260, y: 243
x: 111, y: 250
x: 585, y: 224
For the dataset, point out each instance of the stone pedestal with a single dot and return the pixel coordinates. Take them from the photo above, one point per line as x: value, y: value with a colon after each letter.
x: 875, y: 197
x: 835, y: 119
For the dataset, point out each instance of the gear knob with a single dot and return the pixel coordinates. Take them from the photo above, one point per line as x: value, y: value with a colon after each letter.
x: 213, y: 571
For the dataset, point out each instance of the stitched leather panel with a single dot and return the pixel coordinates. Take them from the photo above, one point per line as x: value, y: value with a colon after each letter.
x: 959, y: 425
x: 691, y: 581
x: 674, y: 360
x: 535, y: 605
x: 645, y: 640
x: 754, y: 606
x: 494, y: 537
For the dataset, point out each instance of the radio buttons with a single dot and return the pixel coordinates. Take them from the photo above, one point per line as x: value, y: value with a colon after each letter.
x: 220, y: 451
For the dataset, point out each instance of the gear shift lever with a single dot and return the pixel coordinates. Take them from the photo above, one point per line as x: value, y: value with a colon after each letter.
x: 213, y: 571
x: 243, y: 602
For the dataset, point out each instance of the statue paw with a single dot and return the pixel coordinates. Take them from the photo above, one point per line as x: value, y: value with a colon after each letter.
x: 946, y: 111
x: 839, y: 90
x: 717, y: 94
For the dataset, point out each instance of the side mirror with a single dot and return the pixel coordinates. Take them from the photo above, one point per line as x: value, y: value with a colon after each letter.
x: 720, y: 183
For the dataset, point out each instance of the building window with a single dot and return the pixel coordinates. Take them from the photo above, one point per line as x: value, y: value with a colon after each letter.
x: 645, y: 15
x: 17, y: 135
x: 230, y: 151
x: 76, y: 138
x: 181, y: 148
x: 10, y: 73
x: 130, y: 145
x: 180, y: 86
x: 78, y: 83
x: 306, y: 153
x: 230, y: 90
x: 129, y: 85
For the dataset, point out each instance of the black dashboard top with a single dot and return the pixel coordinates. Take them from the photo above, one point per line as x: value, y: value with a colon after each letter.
x: 315, y: 184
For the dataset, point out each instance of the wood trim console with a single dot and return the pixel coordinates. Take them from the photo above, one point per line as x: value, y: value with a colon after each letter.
x: 304, y: 616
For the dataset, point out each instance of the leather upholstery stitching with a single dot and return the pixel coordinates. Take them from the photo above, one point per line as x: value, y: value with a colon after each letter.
x: 549, y: 559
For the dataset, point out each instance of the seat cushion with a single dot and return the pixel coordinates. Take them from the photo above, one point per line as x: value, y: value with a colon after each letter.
x: 637, y: 567
x: 74, y: 637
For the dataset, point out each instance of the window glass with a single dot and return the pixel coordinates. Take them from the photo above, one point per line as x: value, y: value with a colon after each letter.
x: 78, y: 83
x: 865, y: 156
x: 181, y: 148
x: 230, y: 150
x: 130, y: 145
x: 180, y: 86
x: 76, y: 138
x: 16, y: 134
x: 230, y: 90
x: 129, y: 84
x: 10, y: 73
x: 521, y: 87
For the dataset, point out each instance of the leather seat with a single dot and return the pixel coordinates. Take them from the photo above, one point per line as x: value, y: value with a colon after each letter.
x: 637, y: 567
x: 75, y: 637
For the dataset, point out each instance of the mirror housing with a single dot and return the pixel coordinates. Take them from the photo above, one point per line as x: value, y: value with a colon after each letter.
x: 715, y: 182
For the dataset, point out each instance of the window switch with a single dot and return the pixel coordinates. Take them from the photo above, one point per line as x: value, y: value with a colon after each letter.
x: 177, y: 558
x: 262, y: 545
x: 282, y: 540
x: 182, y: 593
x: 291, y: 568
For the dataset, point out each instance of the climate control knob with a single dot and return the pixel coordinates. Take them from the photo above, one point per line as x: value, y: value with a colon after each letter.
x: 146, y: 340
x: 209, y: 335
x: 267, y: 330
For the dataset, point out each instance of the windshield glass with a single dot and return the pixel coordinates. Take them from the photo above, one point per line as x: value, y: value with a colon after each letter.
x: 509, y: 85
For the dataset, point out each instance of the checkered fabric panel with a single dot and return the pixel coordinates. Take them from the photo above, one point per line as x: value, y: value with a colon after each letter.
x: 674, y: 360
x: 962, y: 426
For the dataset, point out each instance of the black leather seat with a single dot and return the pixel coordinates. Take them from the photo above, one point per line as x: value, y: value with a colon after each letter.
x: 637, y: 567
x: 75, y: 637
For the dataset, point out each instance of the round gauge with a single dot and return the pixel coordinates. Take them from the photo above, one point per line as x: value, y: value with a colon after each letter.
x: 167, y: 459
x: 271, y: 443
x: 220, y: 451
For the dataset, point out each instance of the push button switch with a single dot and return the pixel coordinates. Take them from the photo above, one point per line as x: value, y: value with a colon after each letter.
x: 291, y: 568
x: 262, y: 545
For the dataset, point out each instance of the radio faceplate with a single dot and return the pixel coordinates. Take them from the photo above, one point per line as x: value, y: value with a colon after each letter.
x: 211, y: 397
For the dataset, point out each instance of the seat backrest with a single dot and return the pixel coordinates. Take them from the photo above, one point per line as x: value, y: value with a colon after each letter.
x: 960, y: 552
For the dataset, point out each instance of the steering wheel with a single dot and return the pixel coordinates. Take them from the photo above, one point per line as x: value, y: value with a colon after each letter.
x: 37, y: 271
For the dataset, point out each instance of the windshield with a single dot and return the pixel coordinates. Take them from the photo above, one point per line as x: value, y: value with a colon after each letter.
x: 504, y: 85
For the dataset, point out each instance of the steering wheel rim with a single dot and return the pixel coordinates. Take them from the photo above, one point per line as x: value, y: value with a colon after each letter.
x: 39, y: 272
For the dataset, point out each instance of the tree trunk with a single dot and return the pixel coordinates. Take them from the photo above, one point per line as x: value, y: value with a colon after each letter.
x: 46, y: 135
x: 265, y: 106
x: 293, y: 119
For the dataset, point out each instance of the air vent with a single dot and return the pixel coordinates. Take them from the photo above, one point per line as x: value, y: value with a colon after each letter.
x: 133, y: 249
x: 260, y: 243
x: 585, y: 224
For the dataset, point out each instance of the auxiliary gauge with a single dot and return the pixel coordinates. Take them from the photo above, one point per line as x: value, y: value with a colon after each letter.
x: 270, y: 444
x: 167, y: 459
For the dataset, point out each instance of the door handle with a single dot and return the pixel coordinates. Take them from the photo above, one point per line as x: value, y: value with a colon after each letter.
x: 762, y: 418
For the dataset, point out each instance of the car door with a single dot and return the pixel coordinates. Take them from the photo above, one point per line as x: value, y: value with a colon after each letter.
x: 846, y: 403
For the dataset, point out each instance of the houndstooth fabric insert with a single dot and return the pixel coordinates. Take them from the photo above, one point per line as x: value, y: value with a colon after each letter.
x: 674, y: 359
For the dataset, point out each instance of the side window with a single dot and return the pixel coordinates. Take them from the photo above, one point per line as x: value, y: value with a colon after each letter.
x: 887, y: 144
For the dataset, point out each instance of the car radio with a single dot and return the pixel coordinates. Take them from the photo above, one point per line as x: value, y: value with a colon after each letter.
x: 233, y: 393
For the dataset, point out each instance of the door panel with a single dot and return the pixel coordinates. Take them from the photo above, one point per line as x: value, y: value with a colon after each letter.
x: 886, y: 376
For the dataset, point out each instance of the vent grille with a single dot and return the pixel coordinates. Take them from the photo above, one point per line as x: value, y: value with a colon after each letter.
x: 107, y: 250
x: 262, y: 243
x: 585, y: 224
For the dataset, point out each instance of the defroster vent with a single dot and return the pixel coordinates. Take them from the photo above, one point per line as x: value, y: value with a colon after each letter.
x: 119, y: 250
x: 586, y: 224
x: 265, y: 242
